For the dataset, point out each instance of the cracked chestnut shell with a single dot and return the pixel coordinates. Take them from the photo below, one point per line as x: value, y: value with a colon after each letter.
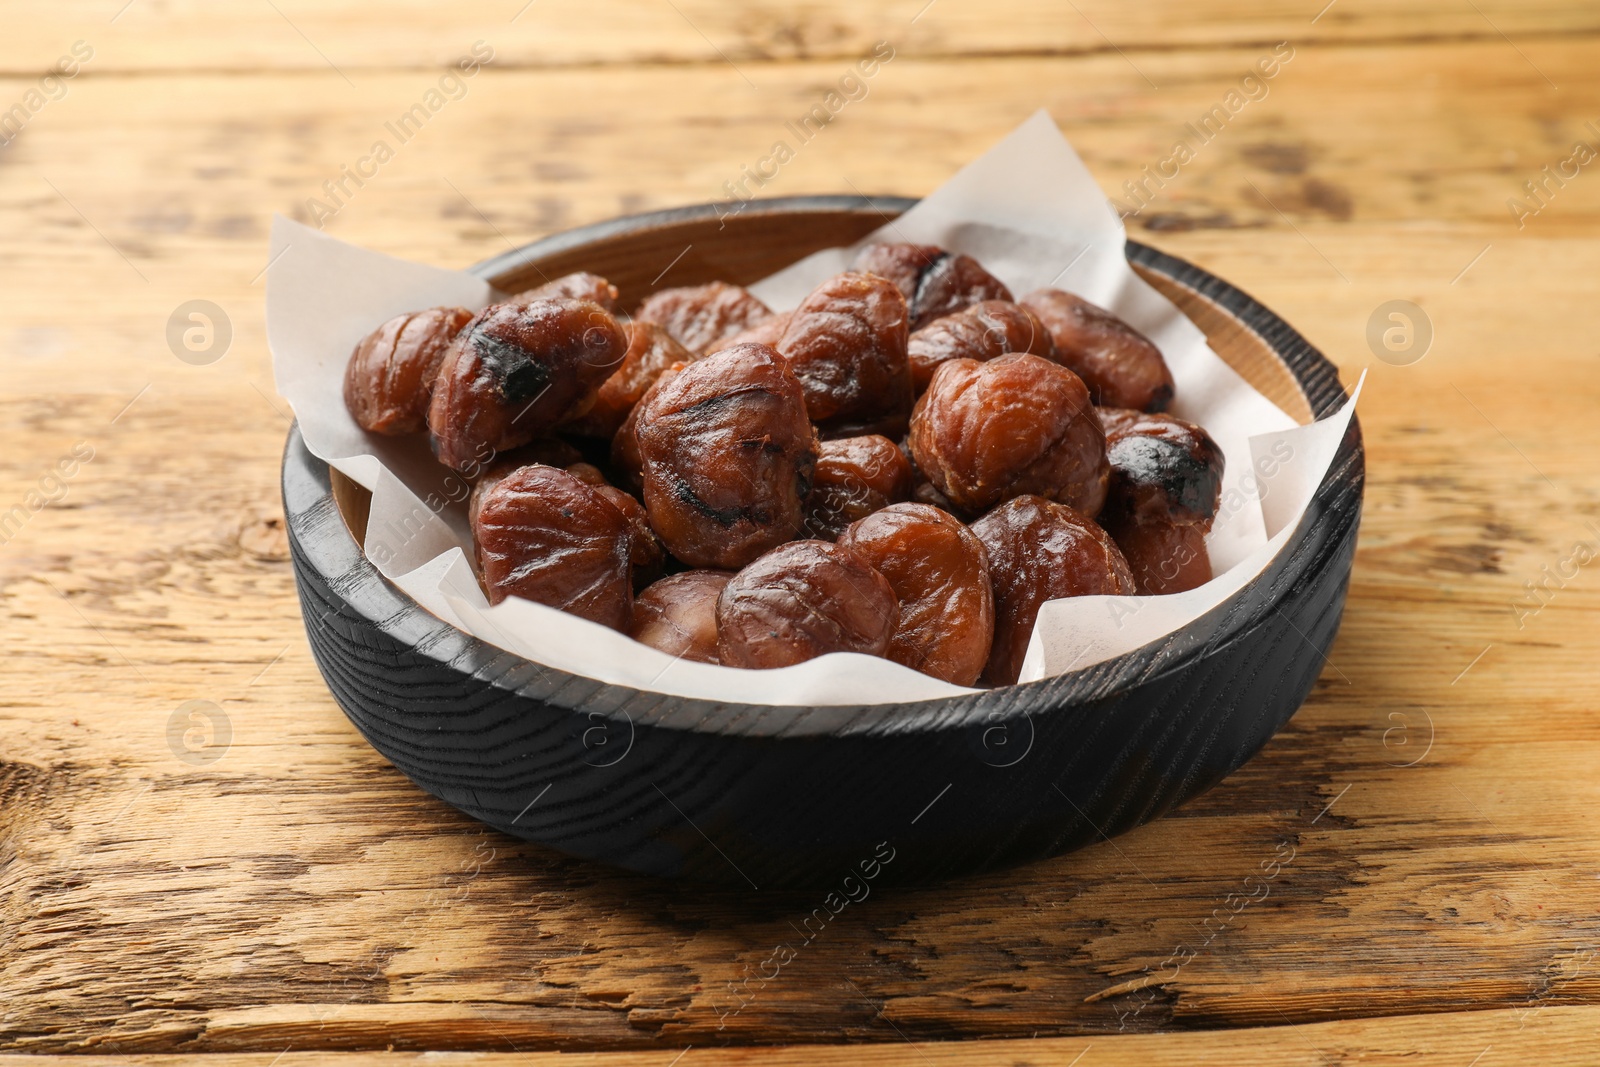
x: 702, y: 316
x: 651, y: 350
x: 1016, y: 425
x: 580, y: 285
x: 727, y: 455
x: 515, y: 371
x: 939, y: 572
x: 1040, y: 550
x: 987, y: 329
x: 846, y: 342
x: 678, y: 614
x: 934, y: 282
x: 855, y: 476
x: 1120, y: 365
x: 389, y: 379
x: 544, y: 535
x: 803, y: 600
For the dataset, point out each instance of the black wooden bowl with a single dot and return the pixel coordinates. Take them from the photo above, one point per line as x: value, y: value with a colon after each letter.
x: 796, y: 795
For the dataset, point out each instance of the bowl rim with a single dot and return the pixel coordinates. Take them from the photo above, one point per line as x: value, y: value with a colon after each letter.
x: 1316, y: 376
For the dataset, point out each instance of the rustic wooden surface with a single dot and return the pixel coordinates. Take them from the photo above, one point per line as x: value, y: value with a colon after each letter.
x: 289, y: 890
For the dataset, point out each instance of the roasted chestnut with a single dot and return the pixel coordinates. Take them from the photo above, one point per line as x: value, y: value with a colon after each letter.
x: 1040, y: 550
x: 1162, y: 467
x: 983, y: 331
x: 389, y: 379
x: 678, y: 614
x: 855, y: 476
x: 578, y: 286
x: 515, y: 371
x: 939, y: 572
x: 934, y: 282
x: 846, y: 342
x: 1016, y: 425
x: 727, y: 456
x: 803, y: 600
x: 546, y: 536
x: 702, y: 316
x: 651, y: 350
x: 1120, y: 365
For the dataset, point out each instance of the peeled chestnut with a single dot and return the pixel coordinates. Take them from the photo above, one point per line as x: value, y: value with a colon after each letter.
x: 545, y: 536
x: 766, y: 332
x: 1165, y: 557
x: 939, y: 572
x: 389, y: 379
x: 1120, y: 365
x: 1040, y: 550
x: 934, y: 282
x: 854, y: 477
x: 1162, y: 467
x: 1166, y: 483
x: 515, y: 371
x: 1016, y: 425
x: 727, y: 455
x: 702, y: 316
x: 803, y: 600
x: 651, y: 350
x: 983, y: 331
x: 678, y: 614
x: 846, y: 342
x: 579, y: 286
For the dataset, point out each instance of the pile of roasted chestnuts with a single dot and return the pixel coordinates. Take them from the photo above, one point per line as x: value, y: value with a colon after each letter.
x: 906, y: 465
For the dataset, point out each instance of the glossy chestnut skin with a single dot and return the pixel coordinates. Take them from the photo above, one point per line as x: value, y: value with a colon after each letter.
x: 727, y: 457
x: 651, y: 350
x: 1016, y: 425
x: 934, y: 282
x: 1162, y: 468
x: 515, y: 371
x: 549, y: 452
x: 647, y: 554
x: 678, y: 614
x: 1040, y: 550
x: 766, y: 332
x: 846, y: 342
x: 983, y: 331
x: 389, y: 379
x: 700, y: 317
x: 939, y: 572
x: 854, y: 477
x: 626, y: 463
x: 1120, y: 365
x: 580, y: 285
x: 1165, y: 557
x: 545, y: 536
x: 803, y: 600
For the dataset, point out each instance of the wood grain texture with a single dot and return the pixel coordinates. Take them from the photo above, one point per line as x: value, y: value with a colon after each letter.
x: 299, y: 892
x: 1557, y: 1037
x: 352, y: 37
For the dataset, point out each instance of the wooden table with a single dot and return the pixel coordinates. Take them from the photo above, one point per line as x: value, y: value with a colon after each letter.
x: 272, y: 890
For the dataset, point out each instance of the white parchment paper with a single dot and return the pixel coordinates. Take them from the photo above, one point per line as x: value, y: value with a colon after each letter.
x: 1028, y: 210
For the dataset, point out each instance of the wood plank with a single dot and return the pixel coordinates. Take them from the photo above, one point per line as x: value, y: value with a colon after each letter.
x: 1555, y: 1036
x: 353, y: 37
x: 298, y: 892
